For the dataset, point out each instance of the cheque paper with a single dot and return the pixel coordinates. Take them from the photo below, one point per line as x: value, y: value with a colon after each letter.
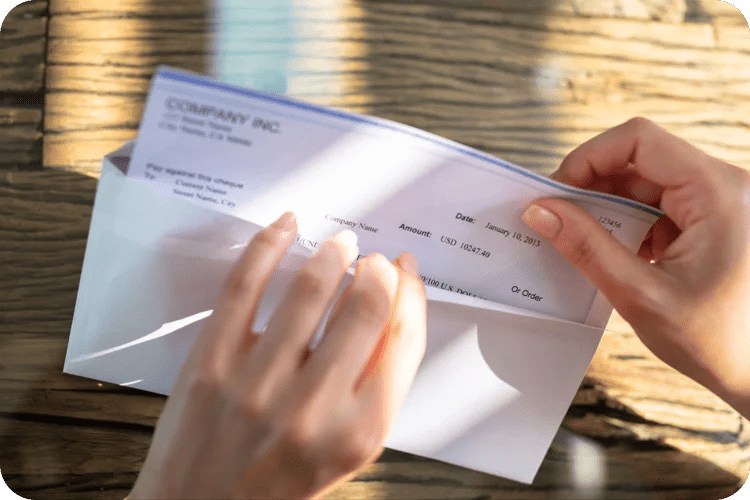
x: 255, y: 155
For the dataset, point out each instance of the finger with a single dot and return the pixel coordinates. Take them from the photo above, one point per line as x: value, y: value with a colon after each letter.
x: 645, y: 252
x: 628, y: 185
x: 350, y: 339
x: 337, y: 309
x: 249, y: 277
x: 393, y: 365
x: 377, y: 352
x: 637, y: 145
x: 662, y: 234
x: 297, y: 318
x: 579, y: 238
x: 335, y: 313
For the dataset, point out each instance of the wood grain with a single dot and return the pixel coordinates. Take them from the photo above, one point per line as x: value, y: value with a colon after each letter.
x: 524, y: 79
x: 22, y: 51
x: 104, y: 55
x: 515, y: 80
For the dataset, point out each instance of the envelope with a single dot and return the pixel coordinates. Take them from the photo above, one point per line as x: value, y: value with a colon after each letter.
x: 490, y: 393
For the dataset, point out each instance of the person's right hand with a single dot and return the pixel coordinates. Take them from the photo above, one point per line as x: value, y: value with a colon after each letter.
x: 688, y: 296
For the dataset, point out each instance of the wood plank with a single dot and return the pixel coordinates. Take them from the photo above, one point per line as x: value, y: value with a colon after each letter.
x: 22, y: 45
x: 628, y: 8
x: 90, y: 114
x: 524, y: 86
x: 96, y: 453
x: 716, y: 12
x: 674, y: 74
x: 22, y: 49
x: 44, y: 218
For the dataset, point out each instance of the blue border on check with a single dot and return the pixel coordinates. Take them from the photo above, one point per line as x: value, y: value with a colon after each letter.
x: 195, y: 79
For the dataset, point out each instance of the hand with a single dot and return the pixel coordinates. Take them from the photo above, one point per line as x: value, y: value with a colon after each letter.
x: 260, y: 416
x: 691, y: 306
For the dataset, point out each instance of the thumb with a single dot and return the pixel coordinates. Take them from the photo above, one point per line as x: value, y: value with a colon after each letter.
x: 624, y: 278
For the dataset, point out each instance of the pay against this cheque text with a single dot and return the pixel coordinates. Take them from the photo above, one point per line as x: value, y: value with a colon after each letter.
x: 194, y: 185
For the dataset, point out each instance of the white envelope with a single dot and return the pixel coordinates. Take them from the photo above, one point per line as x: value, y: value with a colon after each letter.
x: 490, y: 394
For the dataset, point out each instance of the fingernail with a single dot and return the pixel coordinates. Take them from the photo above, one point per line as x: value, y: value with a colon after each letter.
x: 408, y: 263
x: 542, y: 221
x: 348, y: 240
x: 286, y: 221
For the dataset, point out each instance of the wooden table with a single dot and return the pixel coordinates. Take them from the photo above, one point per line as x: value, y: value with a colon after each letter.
x: 523, y: 79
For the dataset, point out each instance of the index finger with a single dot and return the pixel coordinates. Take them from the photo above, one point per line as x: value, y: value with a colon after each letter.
x: 637, y: 146
x: 247, y: 281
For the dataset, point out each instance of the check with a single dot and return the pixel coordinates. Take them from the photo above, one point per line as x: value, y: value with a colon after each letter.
x: 254, y: 155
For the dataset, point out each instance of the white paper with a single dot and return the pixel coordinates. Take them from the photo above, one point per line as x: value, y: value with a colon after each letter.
x: 496, y: 379
x: 255, y: 155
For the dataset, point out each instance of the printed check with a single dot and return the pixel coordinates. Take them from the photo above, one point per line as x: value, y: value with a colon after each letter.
x: 255, y: 155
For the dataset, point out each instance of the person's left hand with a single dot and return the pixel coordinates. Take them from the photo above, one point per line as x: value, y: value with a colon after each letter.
x: 260, y: 416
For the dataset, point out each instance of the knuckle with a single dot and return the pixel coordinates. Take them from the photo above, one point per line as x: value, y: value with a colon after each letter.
x: 359, y: 448
x: 649, y: 133
x: 371, y: 304
x: 309, y: 284
x: 581, y: 252
x: 641, y: 124
x: 266, y: 239
x: 253, y: 407
x: 239, y: 283
x: 205, y: 385
x: 332, y: 253
x: 415, y: 286
x: 298, y: 437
